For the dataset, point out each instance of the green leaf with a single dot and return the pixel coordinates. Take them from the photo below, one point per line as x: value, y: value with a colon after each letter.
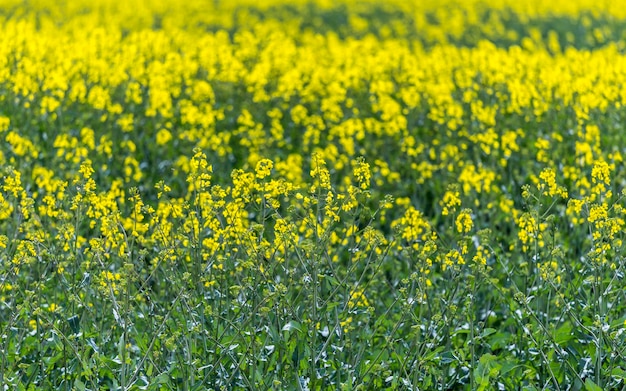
x: 591, y: 386
x: 487, y: 359
x: 563, y: 334
x: 79, y: 385
x: 52, y: 361
x: 161, y: 379
x: 460, y: 331
x: 618, y: 373
x: 292, y: 325
x: 446, y: 358
x: 488, y: 367
x: 121, y: 347
x: 433, y: 355
x: 74, y: 322
x: 499, y: 340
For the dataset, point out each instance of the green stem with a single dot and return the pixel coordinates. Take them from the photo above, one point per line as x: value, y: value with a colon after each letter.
x: 472, y: 334
x: 600, y: 320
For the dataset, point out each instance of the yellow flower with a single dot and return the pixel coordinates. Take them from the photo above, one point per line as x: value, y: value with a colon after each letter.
x: 362, y: 173
x: 464, y: 223
x: 4, y: 123
x: 451, y: 199
x: 452, y: 258
x: 319, y: 173
x: 264, y: 168
x: 548, y: 185
x: 13, y: 183
x: 601, y: 177
x: 598, y: 212
x: 86, y: 170
x: 163, y: 136
x: 358, y: 299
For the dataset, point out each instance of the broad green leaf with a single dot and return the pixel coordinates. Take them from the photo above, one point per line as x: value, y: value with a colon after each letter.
x: 292, y: 325
x: 161, y: 379
x: 563, y: 334
x: 591, y: 386
x: 79, y: 385
x: 487, y: 368
x: 618, y: 373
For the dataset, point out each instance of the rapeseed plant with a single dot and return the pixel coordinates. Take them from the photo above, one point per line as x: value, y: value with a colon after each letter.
x: 311, y: 195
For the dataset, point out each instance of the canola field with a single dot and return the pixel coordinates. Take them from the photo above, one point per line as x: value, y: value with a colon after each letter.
x: 312, y: 195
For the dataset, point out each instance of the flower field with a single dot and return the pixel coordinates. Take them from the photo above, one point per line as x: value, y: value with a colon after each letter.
x: 312, y: 195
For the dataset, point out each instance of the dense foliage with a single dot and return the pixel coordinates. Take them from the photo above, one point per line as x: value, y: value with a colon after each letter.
x: 317, y: 195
